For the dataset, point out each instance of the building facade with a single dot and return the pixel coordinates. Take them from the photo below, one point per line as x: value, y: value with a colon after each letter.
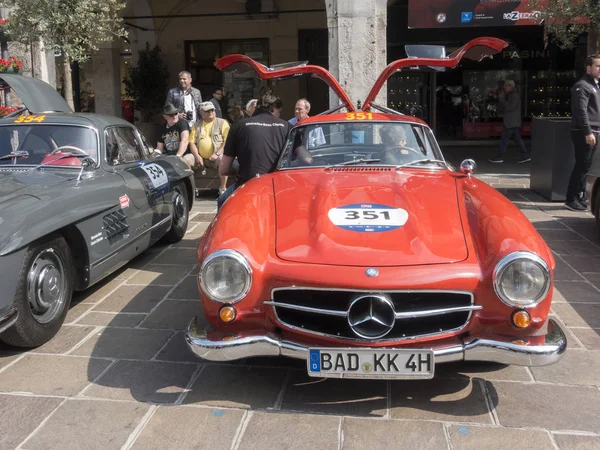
x: 459, y: 103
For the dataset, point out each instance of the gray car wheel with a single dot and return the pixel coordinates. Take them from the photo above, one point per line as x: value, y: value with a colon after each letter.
x: 180, y: 210
x: 43, y: 293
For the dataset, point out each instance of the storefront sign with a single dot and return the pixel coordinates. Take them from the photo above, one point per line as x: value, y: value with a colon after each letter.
x: 470, y: 13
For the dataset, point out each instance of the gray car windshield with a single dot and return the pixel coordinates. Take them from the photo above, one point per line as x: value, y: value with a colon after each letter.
x: 33, y: 144
x: 359, y: 143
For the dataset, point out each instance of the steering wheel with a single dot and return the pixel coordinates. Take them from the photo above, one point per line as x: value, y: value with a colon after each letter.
x: 393, y: 155
x: 70, y: 149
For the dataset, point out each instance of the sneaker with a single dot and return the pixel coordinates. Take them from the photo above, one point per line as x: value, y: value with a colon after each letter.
x: 574, y: 205
x: 524, y: 160
x: 583, y: 202
x: 203, y: 171
x: 221, y: 191
x: 496, y: 159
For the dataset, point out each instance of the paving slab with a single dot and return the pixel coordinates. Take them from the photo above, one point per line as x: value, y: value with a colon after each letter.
x: 125, y: 343
x: 51, y: 375
x: 152, y: 275
x: 578, y: 291
x: 553, y: 407
x: 335, y: 396
x: 100, y: 290
x: 576, y: 442
x: 560, y: 235
x: 143, y: 381
x: 440, y: 399
x: 173, y: 315
x: 190, y: 428
x: 584, y: 263
x: 186, y: 290
x: 496, y: 438
x: 66, y: 338
x: 21, y: 416
x: 589, y: 338
x: 580, y: 367
x: 563, y: 272
x: 177, y: 350
x: 112, y: 422
x: 76, y: 310
x: 593, y: 278
x: 108, y: 319
x: 133, y: 299
x: 484, y: 370
x: 236, y: 387
x: 360, y: 434
x: 177, y: 256
x: 8, y: 355
x: 291, y: 431
x: 575, y: 248
x: 579, y: 314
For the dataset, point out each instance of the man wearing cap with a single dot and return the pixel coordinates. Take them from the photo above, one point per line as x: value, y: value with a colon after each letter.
x: 174, y: 136
x: 185, y: 98
x: 256, y: 142
x: 207, y: 140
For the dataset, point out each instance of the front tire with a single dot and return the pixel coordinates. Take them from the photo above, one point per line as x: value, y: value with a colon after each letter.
x: 43, y: 296
x: 181, y: 212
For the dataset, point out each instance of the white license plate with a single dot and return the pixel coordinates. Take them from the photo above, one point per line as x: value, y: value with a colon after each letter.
x: 370, y: 363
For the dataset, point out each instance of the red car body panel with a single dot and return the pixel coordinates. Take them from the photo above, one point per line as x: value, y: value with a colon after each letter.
x: 306, y: 234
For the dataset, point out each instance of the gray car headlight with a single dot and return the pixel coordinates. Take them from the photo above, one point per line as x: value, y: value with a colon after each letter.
x: 522, y: 279
x: 225, y: 276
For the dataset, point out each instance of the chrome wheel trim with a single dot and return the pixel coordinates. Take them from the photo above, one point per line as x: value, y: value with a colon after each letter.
x: 46, y: 286
x: 179, y: 208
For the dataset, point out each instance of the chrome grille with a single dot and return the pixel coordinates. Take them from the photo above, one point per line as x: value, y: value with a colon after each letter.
x: 418, y: 313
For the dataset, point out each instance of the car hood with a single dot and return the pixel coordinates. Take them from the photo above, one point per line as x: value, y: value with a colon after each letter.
x: 368, y: 217
x: 37, y: 95
x: 28, y: 182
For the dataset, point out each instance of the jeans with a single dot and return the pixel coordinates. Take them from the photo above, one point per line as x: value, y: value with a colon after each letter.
x: 225, y: 195
x: 507, y: 133
x: 584, y: 154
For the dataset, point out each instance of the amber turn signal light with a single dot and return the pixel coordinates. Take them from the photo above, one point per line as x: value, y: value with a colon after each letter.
x: 227, y: 314
x: 521, y: 319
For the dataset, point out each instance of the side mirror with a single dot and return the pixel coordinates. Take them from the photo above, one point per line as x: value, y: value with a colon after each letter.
x: 468, y: 167
x: 88, y: 164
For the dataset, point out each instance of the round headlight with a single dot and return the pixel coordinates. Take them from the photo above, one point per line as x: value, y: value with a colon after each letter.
x: 522, y: 279
x: 225, y: 276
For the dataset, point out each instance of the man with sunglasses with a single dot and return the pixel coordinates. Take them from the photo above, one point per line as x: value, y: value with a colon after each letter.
x: 174, y: 136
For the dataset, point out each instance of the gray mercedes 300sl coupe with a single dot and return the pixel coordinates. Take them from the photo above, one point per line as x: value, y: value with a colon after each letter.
x: 80, y: 196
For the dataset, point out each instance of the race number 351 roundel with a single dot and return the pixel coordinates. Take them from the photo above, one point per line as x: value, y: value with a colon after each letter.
x: 365, y: 217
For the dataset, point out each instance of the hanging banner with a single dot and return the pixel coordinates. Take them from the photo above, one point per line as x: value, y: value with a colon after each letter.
x: 470, y: 13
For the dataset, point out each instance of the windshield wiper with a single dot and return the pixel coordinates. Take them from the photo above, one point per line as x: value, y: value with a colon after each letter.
x: 64, y: 155
x: 423, y: 161
x: 354, y: 161
x: 15, y: 155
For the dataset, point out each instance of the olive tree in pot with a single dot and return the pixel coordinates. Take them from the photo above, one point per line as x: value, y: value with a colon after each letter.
x: 146, y: 85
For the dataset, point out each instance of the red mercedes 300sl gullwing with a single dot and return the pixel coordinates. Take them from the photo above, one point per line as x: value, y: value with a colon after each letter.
x: 367, y: 255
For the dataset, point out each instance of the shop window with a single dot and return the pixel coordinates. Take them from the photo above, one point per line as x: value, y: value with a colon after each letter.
x: 200, y: 58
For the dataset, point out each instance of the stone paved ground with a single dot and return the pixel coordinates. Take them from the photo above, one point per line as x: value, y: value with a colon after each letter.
x: 119, y: 375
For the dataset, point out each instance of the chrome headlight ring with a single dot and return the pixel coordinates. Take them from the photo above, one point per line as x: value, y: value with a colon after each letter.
x: 505, y: 263
x: 237, y: 258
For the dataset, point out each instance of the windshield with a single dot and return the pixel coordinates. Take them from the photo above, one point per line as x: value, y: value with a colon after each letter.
x: 345, y: 143
x: 34, y: 143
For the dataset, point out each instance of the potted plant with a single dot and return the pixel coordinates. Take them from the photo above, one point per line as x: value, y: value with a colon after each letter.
x: 146, y: 86
x: 11, y: 65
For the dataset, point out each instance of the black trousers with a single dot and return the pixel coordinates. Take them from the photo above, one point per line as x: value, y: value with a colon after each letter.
x: 584, y: 154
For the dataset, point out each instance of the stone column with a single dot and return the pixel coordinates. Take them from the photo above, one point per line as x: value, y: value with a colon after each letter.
x: 357, y: 46
x: 106, y: 81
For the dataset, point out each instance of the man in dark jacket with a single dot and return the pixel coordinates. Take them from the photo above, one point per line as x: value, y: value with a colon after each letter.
x: 585, y: 128
x: 185, y: 98
x: 256, y: 142
x: 510, y: 104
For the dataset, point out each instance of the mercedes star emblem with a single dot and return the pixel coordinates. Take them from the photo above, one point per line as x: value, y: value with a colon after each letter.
x: 371, y: 316
x: 372, y: 272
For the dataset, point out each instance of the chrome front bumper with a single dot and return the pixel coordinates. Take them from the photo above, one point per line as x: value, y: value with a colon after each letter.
x: 221, y: 347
